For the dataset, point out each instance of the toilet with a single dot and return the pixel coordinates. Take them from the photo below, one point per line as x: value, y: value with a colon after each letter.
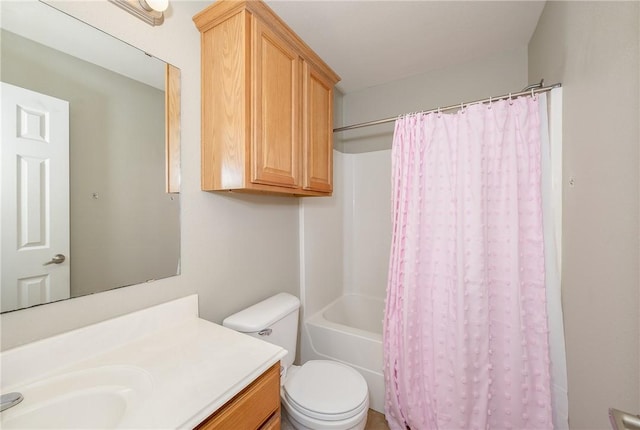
x: 320, y: 394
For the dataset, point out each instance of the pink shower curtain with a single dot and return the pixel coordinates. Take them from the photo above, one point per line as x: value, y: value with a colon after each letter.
x: 465, y: 328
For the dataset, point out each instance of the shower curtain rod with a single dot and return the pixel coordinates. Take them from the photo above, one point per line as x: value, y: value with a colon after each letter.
x: 531, y: 89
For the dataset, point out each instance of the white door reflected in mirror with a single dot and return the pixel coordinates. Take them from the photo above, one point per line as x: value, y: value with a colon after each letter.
x: 124, y: 148
x: 35, y: 198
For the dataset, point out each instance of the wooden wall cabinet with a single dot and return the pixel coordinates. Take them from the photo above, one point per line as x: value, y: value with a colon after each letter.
x: 267, y: 104
x: 257, y: 407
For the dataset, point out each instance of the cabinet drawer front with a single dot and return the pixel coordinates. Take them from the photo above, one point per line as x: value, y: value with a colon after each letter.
x: 252, y: 407
x: 276, y: 73
x: 273, y: 423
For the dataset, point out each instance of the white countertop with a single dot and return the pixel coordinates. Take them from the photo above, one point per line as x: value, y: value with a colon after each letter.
x: 188, y: 367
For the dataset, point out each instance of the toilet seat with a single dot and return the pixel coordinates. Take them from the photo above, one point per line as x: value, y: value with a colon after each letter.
x: 326, y: 390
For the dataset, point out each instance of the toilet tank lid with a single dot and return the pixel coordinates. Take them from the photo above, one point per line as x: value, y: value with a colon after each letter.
x: 262, y: 314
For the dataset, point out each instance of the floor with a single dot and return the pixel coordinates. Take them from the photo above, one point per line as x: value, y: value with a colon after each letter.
x: 375, y: 421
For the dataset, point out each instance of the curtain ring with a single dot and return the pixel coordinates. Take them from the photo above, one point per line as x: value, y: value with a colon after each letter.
x: 510, y: 99
x: 439, y: 113
x: 490, y: 102
x: 461, y: 108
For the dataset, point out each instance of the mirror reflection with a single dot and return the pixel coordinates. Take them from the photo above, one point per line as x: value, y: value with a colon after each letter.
x: 84, y: 204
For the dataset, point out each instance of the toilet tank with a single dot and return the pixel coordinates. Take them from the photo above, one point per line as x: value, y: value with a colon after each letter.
x: 274, y: 320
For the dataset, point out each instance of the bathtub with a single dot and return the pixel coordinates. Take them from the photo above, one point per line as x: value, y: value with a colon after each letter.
x: 350, y: 330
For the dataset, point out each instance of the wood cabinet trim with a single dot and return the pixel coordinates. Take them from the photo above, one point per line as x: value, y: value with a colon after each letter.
x: 323, y: 183
x: 287, y: 124
x: 222, y: 9
x: 262, y: 396
x: 226, y: 65
x: 256, y: 137
x: 216, y: 13
x: 278, y: 190
x: 172, y: 128
x: 273, y: 423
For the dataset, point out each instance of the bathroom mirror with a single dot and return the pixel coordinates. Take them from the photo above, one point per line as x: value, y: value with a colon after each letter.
x: 104, y: 214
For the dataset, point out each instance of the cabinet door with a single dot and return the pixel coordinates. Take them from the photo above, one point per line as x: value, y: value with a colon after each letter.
x: 276, y: 72
x: 318, y: 131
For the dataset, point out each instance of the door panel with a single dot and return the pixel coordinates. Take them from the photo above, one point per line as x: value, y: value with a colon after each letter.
x: 32, y: 180
x: 276, y: 70
x: 318, y: 132
x: 35, y: 197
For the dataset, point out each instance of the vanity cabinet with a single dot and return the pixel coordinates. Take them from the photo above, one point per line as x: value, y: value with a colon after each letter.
x: 255, y: 407
x: 267, y: 104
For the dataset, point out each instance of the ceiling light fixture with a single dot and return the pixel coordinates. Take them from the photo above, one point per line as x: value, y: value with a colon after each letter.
x: 150, y: 11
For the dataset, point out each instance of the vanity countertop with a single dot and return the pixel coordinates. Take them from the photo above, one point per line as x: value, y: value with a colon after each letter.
x: 177, y: 368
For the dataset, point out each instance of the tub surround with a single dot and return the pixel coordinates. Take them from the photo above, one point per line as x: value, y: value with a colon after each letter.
x: 177, y: 368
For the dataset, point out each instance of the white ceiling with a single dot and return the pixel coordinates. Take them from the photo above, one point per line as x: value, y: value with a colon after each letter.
x: 369, y: 43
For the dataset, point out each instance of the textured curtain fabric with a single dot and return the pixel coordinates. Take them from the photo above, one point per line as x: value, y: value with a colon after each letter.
x: 465, y: 328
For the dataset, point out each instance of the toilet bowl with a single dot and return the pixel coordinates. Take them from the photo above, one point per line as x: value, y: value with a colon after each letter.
x: 320, y: 394
x: 323, y: 394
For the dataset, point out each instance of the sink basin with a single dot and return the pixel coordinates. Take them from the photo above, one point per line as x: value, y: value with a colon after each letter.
x: 94, y: 398
x: 82, y: 410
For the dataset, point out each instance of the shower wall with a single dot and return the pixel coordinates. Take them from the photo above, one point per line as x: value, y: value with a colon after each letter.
x: 367, y: 222
x: 321, y: 250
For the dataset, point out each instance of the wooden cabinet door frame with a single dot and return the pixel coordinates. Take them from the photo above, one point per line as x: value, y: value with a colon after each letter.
x: 276, y: 87
x: 318, y: 131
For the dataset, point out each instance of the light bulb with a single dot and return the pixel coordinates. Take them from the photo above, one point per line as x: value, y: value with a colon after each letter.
x: 157, y: 5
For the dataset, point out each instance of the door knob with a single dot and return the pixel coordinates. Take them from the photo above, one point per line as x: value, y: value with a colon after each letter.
x: 57, y: 259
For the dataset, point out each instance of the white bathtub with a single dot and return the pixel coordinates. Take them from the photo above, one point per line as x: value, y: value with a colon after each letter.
x: 350, y: 330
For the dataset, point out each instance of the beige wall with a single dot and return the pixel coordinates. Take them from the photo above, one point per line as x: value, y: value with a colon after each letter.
x: 498, y: 74
x: 592, y: 48
x: 235, y: 249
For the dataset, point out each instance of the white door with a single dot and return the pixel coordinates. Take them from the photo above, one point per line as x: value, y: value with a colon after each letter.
x: 34, y: 157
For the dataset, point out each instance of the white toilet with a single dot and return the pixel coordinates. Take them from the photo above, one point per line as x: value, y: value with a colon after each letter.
x: 320, y: 394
